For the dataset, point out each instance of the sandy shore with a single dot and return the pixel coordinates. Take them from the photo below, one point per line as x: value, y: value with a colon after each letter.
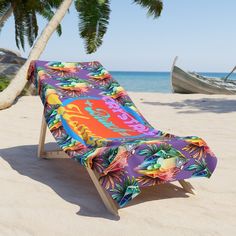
x: 56, y: 197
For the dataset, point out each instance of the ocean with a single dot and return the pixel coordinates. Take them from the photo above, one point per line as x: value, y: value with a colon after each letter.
x: 152, y: 81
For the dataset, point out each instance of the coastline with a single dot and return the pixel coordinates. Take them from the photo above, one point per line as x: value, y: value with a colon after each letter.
x: 56, y: 197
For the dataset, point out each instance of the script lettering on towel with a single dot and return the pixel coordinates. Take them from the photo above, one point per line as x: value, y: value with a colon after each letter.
x: 127, y: 118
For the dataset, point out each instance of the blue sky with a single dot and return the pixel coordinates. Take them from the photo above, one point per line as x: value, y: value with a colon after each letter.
x: 202, y: 33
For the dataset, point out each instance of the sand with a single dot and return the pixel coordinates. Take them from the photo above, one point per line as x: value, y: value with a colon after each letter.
x: 56, y: 197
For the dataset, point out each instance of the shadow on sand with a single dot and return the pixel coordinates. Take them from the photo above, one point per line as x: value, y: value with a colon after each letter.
x: 214, y: 105
x: 72, y: 182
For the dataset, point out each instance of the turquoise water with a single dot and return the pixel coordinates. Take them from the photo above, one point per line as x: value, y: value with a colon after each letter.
x: 151, y: 81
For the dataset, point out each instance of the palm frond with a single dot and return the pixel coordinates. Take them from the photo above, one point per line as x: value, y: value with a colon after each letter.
x: 47, y: 13
x: 94, y: 18
x: 154, y: 6
x: 4, y: 7
x: 19, y: 29
x: 31, y: 28
x: 25, y: 15
x: 5, y: 13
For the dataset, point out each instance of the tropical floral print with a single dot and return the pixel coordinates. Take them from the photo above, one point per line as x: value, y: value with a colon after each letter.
x: 96, y: 123
x: 199, y: 169
x: 126, y: 191
x: 197, y: 147
x: 161, y: 163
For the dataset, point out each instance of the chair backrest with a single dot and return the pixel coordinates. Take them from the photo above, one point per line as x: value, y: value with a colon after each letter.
x: 88, y: 104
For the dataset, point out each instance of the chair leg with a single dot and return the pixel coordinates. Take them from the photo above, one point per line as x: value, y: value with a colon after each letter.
x: 108, y: 202
x: 187, y: 186
x: 42, y: 136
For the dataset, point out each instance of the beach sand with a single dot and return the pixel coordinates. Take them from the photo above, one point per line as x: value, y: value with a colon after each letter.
x: 57, y: 197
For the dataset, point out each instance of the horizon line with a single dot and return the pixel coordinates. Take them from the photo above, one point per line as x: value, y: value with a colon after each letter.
x: 141, y: 71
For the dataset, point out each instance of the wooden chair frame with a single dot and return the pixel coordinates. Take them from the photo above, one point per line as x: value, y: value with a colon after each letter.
x: 110, y: 204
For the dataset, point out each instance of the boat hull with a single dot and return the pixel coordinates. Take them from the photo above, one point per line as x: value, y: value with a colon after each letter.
x: 184, y: 82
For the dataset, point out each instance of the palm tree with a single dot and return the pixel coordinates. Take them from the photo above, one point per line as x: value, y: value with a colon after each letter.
x: 94, y: 19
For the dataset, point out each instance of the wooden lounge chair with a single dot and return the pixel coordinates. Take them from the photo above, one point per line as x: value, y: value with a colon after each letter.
x: 130, y: 167
x: 111, y: 206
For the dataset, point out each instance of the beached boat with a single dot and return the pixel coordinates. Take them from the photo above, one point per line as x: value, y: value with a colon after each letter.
x: 191, y: 82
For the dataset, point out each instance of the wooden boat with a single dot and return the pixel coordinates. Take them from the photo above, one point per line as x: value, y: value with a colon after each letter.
x: 191, y: 82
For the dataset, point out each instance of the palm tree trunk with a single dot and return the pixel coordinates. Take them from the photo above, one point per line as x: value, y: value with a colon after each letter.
x: 14, y: 89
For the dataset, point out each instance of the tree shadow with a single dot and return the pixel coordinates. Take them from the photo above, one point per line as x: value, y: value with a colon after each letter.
x: 72, y: 182
x: 214, y: 105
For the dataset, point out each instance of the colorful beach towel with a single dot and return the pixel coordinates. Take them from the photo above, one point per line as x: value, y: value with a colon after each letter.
x: 96, y: 123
